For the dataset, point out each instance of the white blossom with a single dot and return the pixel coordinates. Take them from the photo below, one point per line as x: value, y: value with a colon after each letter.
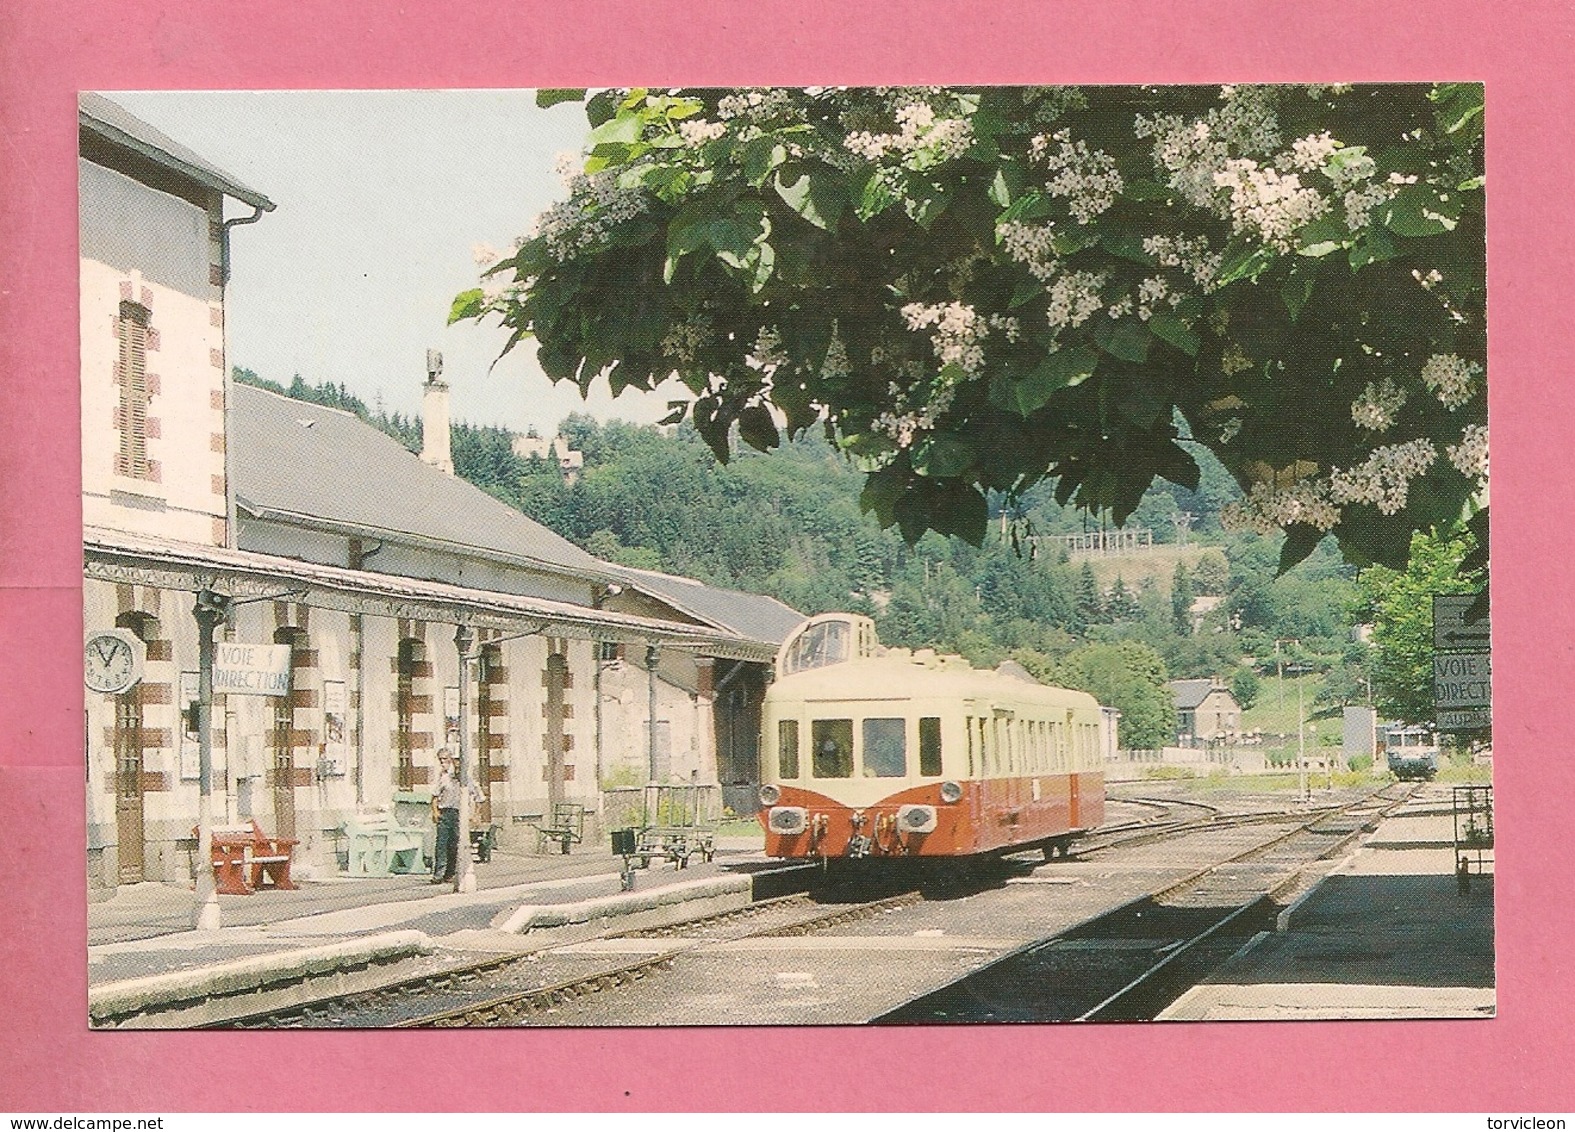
x: 1267, y: 508
x: 1359, y: 205
x: 1451, y: 378
x: 1087, y: 179
x: 1191, y: 254
x: 1470, y: 456
x: 697, y: 131
x: 1074, y: 299
x: 1384, y: 478
x: 685, y: 340
x: 1309, y: 153
x: 1378, y: 405
x: 1266, y: 203
x: 597, y: 204
x: 485, y: 255
x: 918, y: 129
x: 958, y: 332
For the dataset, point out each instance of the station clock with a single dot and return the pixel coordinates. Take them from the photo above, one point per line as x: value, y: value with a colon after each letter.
x: 112, y: 660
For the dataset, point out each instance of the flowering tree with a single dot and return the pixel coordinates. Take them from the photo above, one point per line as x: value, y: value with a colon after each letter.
x: 976, y: 289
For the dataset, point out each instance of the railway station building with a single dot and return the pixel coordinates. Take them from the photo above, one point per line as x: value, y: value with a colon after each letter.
x: 376, y: 569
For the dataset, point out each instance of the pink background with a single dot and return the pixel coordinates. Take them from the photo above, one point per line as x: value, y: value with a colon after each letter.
x: 49, y: 1060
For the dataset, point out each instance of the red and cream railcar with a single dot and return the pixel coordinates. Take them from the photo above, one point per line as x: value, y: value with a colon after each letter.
x: 876, y: 752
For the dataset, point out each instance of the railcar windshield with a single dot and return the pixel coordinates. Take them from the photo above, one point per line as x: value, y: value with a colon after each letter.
x: 829, y: 642
x: 885, y: 748
x: 833, y: 742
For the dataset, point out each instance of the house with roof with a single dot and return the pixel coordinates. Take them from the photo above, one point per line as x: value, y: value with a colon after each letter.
x: 1206, y: 712
x: 412, y: 609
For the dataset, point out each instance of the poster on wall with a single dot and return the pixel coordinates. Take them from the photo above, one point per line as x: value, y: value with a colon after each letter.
x: 451, y: 716
x: 189, y: 769
x: 334, y: 702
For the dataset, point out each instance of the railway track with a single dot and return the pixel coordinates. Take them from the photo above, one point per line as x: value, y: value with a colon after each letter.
x: 501, y: 991
x: 1129, y: 963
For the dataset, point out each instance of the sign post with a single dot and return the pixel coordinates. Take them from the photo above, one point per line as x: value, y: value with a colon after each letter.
x: 1462, y: 664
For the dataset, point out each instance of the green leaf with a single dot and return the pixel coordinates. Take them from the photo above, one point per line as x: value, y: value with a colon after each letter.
x: 815, y: 197
x: 1141, y: 189
x: 1178, y: 332
x: 944, y: 455
x: 875, y: 197
x: 1126, y: 246
x: 623, y: 129
x: 1025, y: 290
x: 1028, y: 392
x: 1297, y: 290
x: 926, y: 209
x: 1421, y: 210
x: 601, y: 107
x: 551, y: 96
x: 1124, y: 339
x: 1030, y: 206
x: 1460, y: 107
x: 757, y: 428
x: 1320, y: 238
x: 467, y: 304
x: 1000, y: 192
x: 1377, y: 247
x: 759, y: 158
x: 1243, y: 261
x: 1300, y: 541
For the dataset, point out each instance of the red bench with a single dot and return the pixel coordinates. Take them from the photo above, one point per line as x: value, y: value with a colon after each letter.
x: 245, y: 859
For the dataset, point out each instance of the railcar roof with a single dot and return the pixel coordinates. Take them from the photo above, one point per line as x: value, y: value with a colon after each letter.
x: 894, y: 676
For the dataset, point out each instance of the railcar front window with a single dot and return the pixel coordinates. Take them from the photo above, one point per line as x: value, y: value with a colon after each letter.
x: 885, y: 748
x: 930, y: 745
x: 833, y: 754
x: 818, y: 646
x: 787, y: 748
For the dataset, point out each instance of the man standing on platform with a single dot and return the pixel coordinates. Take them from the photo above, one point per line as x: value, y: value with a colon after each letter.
x: 446, y: 801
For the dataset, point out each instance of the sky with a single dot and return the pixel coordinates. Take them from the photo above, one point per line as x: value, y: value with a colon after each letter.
x: 381, y: 200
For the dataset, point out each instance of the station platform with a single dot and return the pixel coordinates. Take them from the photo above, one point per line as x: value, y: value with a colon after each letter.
x: 1388, y: 933
x: 144, y: 956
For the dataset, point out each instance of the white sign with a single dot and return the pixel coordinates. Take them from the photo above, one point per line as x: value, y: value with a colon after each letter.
x: 251, y: 670
x: 1465, y: 719
x: 334, y: 702
x: 1452, y: 630
x: 188, y: 726
x: 1462, y: 680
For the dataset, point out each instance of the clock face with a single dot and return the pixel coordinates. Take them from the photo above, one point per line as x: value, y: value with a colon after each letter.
x: 111, y: 661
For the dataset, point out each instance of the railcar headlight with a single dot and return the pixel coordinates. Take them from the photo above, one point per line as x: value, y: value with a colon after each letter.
x: 787, y: 820
x: 950, y: 792
x: 769, y: 794
x: 916, y: 819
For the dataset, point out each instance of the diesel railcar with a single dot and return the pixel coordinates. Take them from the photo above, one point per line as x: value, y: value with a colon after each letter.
x: 872, y: 752
x: 1409, y: 752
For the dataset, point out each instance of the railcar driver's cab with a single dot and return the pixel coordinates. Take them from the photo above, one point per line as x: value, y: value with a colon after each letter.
x: 830, y: 638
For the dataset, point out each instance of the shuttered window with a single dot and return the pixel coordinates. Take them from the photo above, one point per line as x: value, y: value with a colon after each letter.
x: 131, y: 376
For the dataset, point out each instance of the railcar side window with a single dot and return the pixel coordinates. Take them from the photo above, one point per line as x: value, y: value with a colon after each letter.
x: 833, y: 754
x: 787, y: 748
x: 885, y: 748
x: 930, y: 745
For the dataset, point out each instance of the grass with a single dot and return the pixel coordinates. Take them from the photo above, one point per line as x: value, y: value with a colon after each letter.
x: 1274, y: 713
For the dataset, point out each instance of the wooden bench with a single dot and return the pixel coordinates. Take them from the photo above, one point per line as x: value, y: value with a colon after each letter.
x: 245, y: 859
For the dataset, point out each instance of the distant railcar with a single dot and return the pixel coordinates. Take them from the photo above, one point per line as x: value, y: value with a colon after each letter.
x: 870, y: 752
x: 1409, y: 751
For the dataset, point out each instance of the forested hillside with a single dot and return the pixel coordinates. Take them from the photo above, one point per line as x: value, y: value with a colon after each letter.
x: 789, y: 524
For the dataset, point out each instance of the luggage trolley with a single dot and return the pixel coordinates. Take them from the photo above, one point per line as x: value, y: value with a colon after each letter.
x: 1473, y: 812
x: 677, y: 822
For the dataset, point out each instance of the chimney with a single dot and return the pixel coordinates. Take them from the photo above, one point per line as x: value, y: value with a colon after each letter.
x: 434, y: 417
